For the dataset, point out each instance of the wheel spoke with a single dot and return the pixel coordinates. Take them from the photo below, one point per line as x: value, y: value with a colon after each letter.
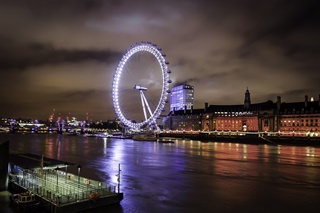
x: 151, y: 72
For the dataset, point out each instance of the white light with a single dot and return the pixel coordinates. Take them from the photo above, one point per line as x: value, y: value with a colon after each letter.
x: 151, y: 48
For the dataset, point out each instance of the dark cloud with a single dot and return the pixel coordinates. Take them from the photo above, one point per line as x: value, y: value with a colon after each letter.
x: 37, y: 54
x: 66, y: 52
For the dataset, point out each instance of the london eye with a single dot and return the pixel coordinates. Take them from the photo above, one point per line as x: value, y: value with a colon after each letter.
x: 141, y: 86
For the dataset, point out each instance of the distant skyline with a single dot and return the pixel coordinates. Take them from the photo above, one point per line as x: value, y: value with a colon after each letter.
x: 62, y: 55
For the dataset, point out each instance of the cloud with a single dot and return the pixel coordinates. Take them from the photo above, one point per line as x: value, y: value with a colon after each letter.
x: 36, y: 54
x: 53, y: 53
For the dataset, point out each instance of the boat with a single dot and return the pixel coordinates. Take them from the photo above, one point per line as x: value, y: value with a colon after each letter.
x: 166, y: 140
x: 103, y: 135
x: 144, y: 137
x: 25, y: 201
x: 94, y: 196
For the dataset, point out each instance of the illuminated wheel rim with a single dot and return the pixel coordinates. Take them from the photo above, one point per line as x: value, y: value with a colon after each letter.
x: 146, y: 47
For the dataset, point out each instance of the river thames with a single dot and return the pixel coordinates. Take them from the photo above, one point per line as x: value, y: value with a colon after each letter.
x: 187, y: 176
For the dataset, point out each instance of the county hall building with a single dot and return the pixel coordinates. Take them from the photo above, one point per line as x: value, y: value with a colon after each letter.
x: 285, y: 119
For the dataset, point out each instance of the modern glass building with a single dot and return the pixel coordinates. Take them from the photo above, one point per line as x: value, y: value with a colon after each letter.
x: 181, y: 97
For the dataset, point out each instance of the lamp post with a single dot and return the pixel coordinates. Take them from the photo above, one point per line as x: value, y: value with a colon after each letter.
x: 66, y: 164
x: 32, y: 178
x: 57, y: 169
x: 23, y: 180
x: 45, y: 174
x: 119, y: 178
x: 79, y: 168
x: 45, y: 177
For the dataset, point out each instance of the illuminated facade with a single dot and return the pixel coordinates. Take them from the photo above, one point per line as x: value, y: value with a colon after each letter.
x: 299, y: 119
x: 285, y: 119
x: 181, y: 97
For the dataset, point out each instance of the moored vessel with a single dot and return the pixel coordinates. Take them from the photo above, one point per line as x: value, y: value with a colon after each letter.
x: 25, y: 201
x: 166, y: 140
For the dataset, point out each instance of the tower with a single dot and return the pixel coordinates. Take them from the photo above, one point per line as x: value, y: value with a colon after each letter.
x: 181, y: 97
x: 247, y: 100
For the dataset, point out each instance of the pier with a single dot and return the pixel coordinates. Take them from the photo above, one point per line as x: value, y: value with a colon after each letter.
x: 58, y: 190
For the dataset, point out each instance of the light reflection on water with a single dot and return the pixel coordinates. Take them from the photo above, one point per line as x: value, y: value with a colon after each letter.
x: 189, y: 176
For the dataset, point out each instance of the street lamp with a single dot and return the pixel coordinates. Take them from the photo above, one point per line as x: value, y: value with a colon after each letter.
x: 45, y: 174
x: 119, y: 178
x: 79, y: 168
x: 57, y: 169
x: 66, y: 164
x: 23, y: 174
x: 32, y: 178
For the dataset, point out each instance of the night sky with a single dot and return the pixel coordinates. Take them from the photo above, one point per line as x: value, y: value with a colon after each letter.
x: 62, y: 55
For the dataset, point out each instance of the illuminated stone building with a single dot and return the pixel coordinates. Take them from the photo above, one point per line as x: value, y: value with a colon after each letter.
x: 188, y: 120
x: 299, y: 118
x: 286, y: 119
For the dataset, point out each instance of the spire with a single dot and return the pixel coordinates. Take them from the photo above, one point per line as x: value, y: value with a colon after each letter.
x: 247, y: 100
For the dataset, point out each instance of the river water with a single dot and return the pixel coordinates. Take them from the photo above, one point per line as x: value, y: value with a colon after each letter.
x: 187, y: 176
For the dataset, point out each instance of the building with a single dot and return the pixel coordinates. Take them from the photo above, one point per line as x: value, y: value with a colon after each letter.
x: 285, y: 119
x: 181, y: 97
x: 298, y: 118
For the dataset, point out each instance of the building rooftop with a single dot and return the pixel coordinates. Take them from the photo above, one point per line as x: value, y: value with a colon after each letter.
x: 31, y: 161
x: 300, y: 107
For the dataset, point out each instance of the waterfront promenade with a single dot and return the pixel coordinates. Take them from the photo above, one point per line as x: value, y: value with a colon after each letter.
x: 270, y: 138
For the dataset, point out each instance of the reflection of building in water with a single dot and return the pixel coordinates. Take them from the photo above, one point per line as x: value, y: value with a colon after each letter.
x: 291, y: 119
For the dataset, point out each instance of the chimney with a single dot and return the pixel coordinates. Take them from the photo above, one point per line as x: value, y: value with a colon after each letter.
x: 305, y: 101
x: 205, y: 106
x: 278, y: 102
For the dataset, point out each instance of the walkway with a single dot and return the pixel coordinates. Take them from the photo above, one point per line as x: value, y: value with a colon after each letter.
x: 60, y: 188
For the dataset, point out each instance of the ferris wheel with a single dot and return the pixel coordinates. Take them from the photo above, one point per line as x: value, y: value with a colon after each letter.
x: 141, y: 86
